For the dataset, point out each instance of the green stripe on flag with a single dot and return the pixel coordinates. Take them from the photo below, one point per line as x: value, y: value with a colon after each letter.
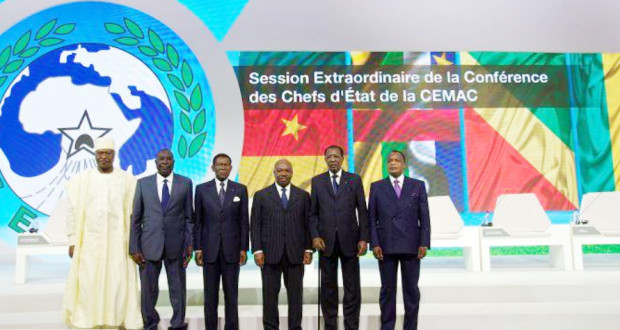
x: 498, y: 58
x: 393, y: 58
x: 594, y: 143
x: 557, y: 121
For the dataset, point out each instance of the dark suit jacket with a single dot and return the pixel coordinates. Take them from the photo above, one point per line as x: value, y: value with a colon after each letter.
x: 153, y: 228
x: 399, y: 225
x: 336, y: 213
x: 275, y: 228
x: 226, y: 226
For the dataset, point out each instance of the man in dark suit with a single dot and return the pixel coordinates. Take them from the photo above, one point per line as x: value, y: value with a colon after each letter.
x: 339, y: 228
x: 222, y: 240
x: 281, y: 244
x: 400, y: 232
x: 161, y: 228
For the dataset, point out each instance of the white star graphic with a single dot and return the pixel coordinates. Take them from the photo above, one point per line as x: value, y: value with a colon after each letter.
x: 83, y: 136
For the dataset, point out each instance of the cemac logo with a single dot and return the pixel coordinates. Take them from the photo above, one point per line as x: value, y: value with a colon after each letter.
x: 72, y: 73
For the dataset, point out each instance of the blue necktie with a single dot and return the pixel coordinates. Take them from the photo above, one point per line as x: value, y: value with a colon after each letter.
x: 335, y: 183
x: 284, y: 198
x: 165, y: 195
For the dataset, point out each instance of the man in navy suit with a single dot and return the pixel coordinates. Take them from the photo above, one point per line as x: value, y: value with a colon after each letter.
x: 161, y: 228
x: 281, y: 244
x: 221, y: 240
x: 400, y: 232
x: 339, y: 228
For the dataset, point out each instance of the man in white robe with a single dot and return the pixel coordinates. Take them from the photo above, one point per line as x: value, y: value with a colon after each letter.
x: 102, y: 287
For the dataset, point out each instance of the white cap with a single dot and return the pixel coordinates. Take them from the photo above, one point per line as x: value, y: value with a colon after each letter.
x: 104, y: 143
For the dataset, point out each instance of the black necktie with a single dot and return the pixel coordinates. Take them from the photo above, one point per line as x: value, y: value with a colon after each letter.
x: 222, y: 193
x: 284, y: 198
x: 335, y: 184
x: 165, y: 195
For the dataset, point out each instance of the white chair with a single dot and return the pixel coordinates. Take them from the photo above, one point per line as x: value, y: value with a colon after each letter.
x: 520, y: 220
x: 601, y: 210
x: 447, y: 230
x: 51, y: 240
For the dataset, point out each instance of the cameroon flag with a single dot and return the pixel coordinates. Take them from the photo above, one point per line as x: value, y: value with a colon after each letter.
x: 297, y: 135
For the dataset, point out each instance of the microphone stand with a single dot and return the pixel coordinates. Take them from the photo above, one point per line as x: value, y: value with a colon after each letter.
x: 319, y: 295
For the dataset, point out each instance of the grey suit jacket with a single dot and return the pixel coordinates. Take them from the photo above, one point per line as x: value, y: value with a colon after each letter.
x: 154, y: 230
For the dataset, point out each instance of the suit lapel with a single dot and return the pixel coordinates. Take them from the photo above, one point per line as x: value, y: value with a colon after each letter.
x: 174, y: 190
x: 212, y: 192
x: 275, y: 195
x: 230, y: 192
x: 328, y: 184
x: 294, y: 197
x: 390, y: 189
x: 152, y: 181
x: 408, y: 187
x: 344, y: 180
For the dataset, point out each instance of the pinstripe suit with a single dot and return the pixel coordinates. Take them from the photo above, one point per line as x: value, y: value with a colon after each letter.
x: 283, y: 236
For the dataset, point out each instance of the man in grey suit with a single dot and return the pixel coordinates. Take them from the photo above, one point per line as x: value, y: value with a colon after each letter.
x: 222, y: 240
x: 161, y: 227
x: 281, y: 244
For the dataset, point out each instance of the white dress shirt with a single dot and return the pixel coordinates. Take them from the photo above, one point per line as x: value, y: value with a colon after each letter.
x: 400, y: 179
x: 218, y: 185
x: 160, y: 184
x: 287, y: 192
x: 331, y: 176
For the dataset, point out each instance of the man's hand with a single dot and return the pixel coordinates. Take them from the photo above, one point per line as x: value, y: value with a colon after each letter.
x: 243, y: 257
x: 188, y: 256
x: 138, y: 258
x: 378, y: 252
x: 199, y: 258
x: 319, y: 244
x: 422, y: 252
x: 362, y: 247
x: 308, y: 258
x: 259, y: 259
x: 71, y: 248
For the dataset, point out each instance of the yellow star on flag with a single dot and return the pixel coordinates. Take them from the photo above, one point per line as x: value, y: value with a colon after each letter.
x: 292, y: 127
x: 442, y: 60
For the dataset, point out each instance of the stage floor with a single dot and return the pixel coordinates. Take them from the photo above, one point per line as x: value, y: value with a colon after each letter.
x: 521, y: 292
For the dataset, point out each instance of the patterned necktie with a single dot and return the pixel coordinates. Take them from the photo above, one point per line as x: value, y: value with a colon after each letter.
x: 222, y: 193
x: 397, y: 188
x: 165, y: 195
x: 335, y: 184
x: 284, y: 198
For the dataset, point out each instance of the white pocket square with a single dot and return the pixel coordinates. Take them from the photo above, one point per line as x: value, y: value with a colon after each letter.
x: 236, y: 199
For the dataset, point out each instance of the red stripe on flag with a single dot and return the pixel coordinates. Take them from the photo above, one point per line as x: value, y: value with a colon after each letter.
x: 410, y: 125
x: 272, y: 132
x: 495, y: 167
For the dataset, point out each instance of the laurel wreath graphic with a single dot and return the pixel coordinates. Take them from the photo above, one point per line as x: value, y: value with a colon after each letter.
x: 187, y: 92
x: 13, y: 57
